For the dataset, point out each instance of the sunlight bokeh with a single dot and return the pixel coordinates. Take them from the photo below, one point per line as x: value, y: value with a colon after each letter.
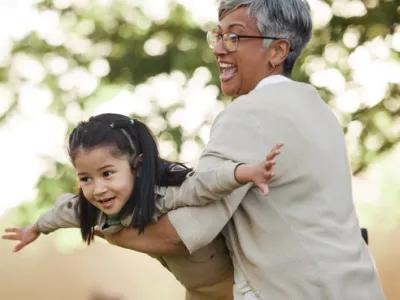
x: 33, y: 133
x: 351, y: 74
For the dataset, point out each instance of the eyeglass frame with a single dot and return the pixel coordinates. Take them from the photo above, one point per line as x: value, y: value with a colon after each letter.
x: 239, y: 36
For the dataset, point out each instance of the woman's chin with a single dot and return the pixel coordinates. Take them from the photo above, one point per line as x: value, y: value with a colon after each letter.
x: 229, y: 88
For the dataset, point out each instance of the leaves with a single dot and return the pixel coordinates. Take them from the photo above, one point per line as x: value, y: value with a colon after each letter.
x: 89, y: 52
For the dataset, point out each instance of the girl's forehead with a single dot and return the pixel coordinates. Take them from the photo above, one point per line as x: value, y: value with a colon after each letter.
x: 103, y: 151
x: 97, y: 157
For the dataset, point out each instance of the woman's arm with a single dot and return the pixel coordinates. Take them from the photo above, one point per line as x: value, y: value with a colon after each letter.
x: 159, y: 238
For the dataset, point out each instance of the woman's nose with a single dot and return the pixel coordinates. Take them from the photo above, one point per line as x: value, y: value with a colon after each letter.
x: 219, y: 48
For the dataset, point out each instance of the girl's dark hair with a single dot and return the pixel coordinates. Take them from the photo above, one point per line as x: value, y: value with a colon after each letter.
x: 132, y: 138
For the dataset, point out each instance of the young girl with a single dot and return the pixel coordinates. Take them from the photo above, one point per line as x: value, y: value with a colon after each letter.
x: 122, y: 181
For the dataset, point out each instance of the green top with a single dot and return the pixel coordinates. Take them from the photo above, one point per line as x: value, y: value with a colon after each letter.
x: 116, y: 219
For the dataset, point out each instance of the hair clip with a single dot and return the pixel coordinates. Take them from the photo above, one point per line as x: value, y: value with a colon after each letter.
x: 121, y: 124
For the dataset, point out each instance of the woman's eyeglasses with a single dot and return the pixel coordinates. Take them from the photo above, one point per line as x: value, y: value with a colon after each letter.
x: 230, y: 40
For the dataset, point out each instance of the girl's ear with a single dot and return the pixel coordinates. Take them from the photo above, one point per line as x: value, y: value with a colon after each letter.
x: 137, y: 162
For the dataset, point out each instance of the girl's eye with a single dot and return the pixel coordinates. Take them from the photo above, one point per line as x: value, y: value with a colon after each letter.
x: 107, y: 173
x: 85, y: 179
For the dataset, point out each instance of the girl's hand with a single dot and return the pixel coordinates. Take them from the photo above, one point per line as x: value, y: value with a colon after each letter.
x: 259, y: 173
x: 25, y: 235
x: 264, y: 171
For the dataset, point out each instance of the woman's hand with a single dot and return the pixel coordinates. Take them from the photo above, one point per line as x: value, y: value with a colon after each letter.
x: 24, y: 235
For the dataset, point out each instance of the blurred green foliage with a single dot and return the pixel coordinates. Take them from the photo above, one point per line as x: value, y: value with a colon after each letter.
x: 119, y: 33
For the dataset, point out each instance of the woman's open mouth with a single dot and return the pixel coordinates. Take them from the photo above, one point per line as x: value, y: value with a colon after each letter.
x: 227, y: 71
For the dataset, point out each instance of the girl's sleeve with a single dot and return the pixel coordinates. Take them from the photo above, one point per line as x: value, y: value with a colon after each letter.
x: 210, y: 185
x: 64, y: 214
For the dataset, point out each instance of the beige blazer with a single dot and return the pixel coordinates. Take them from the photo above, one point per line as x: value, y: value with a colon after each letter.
x: 303, y: 241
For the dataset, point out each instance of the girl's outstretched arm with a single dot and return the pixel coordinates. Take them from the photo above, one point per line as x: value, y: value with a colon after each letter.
x: 63, y: 214
x: 217, y: 183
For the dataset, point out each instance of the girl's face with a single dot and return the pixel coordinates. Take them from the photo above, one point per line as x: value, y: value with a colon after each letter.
x: 107, y: 180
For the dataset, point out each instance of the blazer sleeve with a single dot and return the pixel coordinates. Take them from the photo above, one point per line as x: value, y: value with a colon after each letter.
x: 64, y: 214
x: 235, y: 137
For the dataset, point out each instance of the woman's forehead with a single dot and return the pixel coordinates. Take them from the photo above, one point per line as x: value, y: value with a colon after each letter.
x: 238, y: 18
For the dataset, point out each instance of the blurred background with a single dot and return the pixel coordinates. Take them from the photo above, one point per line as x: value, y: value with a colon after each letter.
x: 62, y: 61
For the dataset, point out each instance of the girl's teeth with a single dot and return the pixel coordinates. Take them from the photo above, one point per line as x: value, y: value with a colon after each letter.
x: 104, y: 201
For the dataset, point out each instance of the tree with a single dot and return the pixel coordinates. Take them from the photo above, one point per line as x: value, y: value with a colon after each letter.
x: 89, y: 51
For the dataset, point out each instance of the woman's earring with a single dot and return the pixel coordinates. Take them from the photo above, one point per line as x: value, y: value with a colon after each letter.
x: 272, y: 64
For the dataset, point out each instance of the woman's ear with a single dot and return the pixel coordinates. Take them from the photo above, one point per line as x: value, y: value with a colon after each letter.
x: 279, y: 51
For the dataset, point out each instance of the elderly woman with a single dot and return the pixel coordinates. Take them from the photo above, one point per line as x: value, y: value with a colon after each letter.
x: 302, y: 242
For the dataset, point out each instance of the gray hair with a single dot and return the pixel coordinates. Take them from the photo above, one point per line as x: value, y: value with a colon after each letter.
x: 286, y: 19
